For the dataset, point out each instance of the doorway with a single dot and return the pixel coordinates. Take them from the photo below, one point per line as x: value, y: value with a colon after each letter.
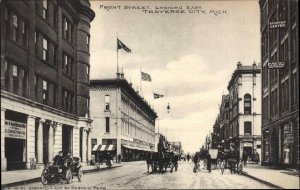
x: 67, y: 134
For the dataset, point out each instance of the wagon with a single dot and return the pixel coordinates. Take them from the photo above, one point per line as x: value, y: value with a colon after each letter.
x: 214, y: 154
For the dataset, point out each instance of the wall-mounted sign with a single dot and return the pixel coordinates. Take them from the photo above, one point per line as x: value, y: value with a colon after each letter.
x: 277, y: 24
x: 276, y: 65
x: 16, y: 130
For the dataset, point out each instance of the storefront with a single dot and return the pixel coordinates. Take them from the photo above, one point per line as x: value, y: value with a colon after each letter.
x: 15, y: 139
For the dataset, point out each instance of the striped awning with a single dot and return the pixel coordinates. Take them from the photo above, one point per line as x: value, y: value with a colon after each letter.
x: 107, y: 147
x: 104, y: 147
x: 96, y: 147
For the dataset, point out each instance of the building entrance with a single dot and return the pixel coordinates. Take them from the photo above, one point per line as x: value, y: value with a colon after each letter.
x: 67, y: 134
x: 15, y: 140
x: 46, y: 143
x: 15, y: 153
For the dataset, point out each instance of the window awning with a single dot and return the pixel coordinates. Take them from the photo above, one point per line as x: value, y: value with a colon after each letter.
x: 136, y: 148
x: 104, y: 147
x: 96, y: 147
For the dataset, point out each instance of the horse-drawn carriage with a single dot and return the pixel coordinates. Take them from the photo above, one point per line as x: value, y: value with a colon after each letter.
x: 231, y: 161
x: 163, y: 160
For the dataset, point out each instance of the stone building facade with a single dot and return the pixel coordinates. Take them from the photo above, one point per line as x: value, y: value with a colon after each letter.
x: 44, y: 80
x: 123, y: 122
x: 244, y: 127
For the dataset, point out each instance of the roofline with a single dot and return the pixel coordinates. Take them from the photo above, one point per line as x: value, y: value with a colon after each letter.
x: 123, y: 84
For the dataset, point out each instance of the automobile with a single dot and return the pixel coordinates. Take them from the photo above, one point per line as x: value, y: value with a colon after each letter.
x: 55, y: 172
x: 183, y: 157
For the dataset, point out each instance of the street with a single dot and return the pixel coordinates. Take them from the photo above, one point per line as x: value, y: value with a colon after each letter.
x: 133, y: 175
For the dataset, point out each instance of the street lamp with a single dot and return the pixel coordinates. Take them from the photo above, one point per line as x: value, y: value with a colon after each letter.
x: 168, y: 108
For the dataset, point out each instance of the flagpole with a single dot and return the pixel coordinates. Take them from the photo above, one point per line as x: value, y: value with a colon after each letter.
x: 141, y: 80
x: 117, y: 58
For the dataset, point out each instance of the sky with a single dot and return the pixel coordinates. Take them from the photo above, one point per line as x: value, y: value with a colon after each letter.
x: 190, y: 56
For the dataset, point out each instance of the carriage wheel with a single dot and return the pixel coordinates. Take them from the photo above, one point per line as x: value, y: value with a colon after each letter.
x: 222, y: 167
x: 44, y: 178
x: 68, y: 176
x: 80, y: 175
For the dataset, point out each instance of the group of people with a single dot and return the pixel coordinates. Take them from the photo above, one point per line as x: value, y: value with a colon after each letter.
x: 63, y: 161
x: 204, y: 155
x: 162, y: 160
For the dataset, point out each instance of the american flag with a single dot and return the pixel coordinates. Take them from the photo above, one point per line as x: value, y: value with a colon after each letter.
x: 146, y: 77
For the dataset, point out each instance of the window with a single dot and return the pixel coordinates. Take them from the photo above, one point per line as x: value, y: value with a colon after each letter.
x: 45, y: 92
x: 107, y: 124
x: 15, y: 79
x: 67, y: 64
x: 285, y: 95
x: 294, y: 89
x: 67, y: 98
x: 24, y: 33
x: 247, y: 128
x: 247, y: 104
x: 67, y: 30
x: 35, y: 86
x: 45, y: 49
x: 45, y: 9
x: 107, y: 101
x: 87, y: 43
x: 294, y: 45
x: 87, y: 73
x: 15, y: 27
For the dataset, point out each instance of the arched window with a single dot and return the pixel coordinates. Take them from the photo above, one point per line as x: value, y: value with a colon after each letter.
x: 247, y: 104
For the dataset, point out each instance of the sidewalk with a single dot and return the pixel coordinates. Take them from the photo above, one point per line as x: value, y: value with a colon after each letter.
x: 277, y: 178
x: 19, y: 177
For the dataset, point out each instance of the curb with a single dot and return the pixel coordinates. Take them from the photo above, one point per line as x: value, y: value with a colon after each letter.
x: 38, y: 179
x: 262, y: 181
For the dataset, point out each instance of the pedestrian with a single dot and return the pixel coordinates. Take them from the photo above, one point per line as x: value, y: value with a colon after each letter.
x: 245, y: 158
x: 188, y: 157
x: 174, y: 161
x: 149, y: 161
x: 119, y: 158
x: 208, y: 158
x: 257, y: 157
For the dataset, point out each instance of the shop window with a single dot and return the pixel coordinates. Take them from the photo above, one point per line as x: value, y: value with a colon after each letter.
x: 247, y: 128
x: 107, y: 124
x: 247, y: 104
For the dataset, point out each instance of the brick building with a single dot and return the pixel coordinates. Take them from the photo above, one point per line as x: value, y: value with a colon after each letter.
x: 123, y: 122
x: 280, y: 98
x: 44, y: 80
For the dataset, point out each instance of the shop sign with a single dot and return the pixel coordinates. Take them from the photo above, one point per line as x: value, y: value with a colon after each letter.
x: 277, y: 24
x: 16, y: 130
x: 276, y: 65
x: 248, y: 144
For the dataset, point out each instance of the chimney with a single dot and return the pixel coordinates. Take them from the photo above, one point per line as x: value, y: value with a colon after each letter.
x: 239, y: 65
x: 118, y: 75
